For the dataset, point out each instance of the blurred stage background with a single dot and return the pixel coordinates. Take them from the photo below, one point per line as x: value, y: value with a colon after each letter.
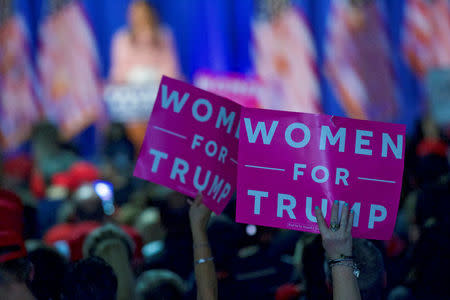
x: 362, y: 59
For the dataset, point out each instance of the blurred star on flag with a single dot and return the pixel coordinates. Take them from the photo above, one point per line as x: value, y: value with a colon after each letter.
x: 69, y: 68
x: 285, y: 58
x: 18, y: 103
x: 358, y: 63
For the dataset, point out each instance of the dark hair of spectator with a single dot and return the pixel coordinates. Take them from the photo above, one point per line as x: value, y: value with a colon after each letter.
x: 90, y: 278
x: 50, y: 267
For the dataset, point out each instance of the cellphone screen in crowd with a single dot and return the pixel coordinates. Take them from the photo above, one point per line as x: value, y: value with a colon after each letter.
x: 105, y: 191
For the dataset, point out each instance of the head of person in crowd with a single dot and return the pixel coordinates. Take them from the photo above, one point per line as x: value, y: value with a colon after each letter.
x: 11, y: 289
x: 432, y: 204
x: 15, y: 267
x: 114, y: 246
x: 90, y: 278
x: 119, y: 152
x: 372, y: 277
x: 130, y: 211
x: 49, y: 153
x: 149, y: 226
x: 304, y: 240
x: 13, y: 254
x: 88, y: 205
x: 427, y: 206
x: 430, y: 259
x: 175, y: 214
x: 15, y: 171
x: 430, y: 168
x: 44, y: 140
x: 159, y: 285
x: 223, y: 235
x: 313, y: 273
x: 13, y: 257
x: 49, y: 269
x: 265, y: 235
x: 11, y: 212
x: 144, y: 22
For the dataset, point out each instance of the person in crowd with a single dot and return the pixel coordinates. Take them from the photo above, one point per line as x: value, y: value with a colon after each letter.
x: 149, y: 226
x: 13, y: 257
x: 372, y: 276
x: 430, y: 254
x: 430, y: 245
x: 112, y: 244
x: 144, y: 51
x: 49, y: 155
x: 205, y: 273
x: 118, y: 150
x: 16, y: 271
x: 90, y: 278
x: 12, y: 289
x: 85, y: 214
x: 117, y: 162
x: 13, y: 254
x: 159, y: 285
x: 260, y: 268
x: 313, y: 284
x: 49, y: 270
x: 141, y: 54
x: 224, y: 237
x: 328, y: 264
x: 337, y: 242
x: 316, y: 276
x: 174, y: 218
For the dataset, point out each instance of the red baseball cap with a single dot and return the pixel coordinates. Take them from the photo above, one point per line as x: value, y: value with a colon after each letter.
x: 12, y: 246
x: 19, y: 166
x: 37, y: 184
x: 431, y: 146
x: 287, y: 292
x: 11, y: 212
x: 82, y: 172
x: 62, y: 179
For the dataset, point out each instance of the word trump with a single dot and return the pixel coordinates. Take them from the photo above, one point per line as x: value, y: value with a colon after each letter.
x: 362, y: 138
x: 287, y: 204
x: 180, y: 169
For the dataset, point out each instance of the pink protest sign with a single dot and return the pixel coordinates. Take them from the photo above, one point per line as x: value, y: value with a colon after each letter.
x: 291, y: 162
x: 191, y: 143
x: 245, y: 90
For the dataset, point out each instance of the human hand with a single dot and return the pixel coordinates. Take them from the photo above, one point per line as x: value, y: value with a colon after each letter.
x: 198, y: 213
x: 336, y: 239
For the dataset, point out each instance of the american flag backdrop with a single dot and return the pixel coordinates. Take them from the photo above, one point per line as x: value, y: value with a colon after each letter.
x: 68, y: 68
x: 358, y: 63
x: 426, y: 35
x: 18, y: 97
x: 285, y: 60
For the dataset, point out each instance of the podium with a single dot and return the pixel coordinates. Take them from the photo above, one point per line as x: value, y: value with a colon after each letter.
x: 130, y: 103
